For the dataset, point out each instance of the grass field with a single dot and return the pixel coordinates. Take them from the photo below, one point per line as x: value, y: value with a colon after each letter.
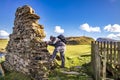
x: 3, y: 43
x: 76, y: 55
x: 74, y: 50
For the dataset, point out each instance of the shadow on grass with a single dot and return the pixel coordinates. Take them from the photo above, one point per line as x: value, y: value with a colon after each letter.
x: 87, y: 55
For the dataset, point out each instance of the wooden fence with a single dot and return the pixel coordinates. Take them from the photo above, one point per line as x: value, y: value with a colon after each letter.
x: 103, y: 55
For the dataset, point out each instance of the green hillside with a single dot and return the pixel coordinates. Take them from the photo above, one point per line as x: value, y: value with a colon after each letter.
x: 83, y: 40
x: 3, y: 44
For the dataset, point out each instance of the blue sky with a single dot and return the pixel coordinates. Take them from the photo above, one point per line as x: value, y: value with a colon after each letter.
x: 93, y: 18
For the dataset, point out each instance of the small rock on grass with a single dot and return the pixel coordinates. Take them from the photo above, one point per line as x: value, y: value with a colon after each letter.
x: 71, y: 72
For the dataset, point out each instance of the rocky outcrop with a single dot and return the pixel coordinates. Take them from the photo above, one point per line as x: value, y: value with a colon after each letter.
x: 26, y: 52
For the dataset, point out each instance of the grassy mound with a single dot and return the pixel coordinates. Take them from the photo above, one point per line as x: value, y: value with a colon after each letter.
x: 83, y: 40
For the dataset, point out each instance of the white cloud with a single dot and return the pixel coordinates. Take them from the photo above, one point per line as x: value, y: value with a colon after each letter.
x: 88, y: 28
x: 114, y: 35
x: 118, y: 35
x: 58, y: 29
x: 3, y: 34
x: 112, y: 28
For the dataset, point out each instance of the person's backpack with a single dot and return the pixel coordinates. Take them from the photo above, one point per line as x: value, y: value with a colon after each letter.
x: 62, y: 38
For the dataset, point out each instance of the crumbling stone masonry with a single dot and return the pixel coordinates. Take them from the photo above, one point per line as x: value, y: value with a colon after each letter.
x: 26, y: 52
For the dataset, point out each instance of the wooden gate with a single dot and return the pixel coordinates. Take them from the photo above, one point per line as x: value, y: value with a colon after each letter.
x: 105, y: 55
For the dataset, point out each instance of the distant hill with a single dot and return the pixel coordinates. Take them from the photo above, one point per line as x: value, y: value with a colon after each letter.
x: 106, y: 40
x: 83, y: 40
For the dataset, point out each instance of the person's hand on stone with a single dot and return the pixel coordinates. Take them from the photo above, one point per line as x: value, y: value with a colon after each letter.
x: 46, y: 43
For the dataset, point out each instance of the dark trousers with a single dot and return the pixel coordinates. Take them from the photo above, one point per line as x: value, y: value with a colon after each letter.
x: 61, y: 55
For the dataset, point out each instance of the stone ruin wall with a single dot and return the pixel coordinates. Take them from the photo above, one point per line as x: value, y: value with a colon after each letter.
x: 26, y: 52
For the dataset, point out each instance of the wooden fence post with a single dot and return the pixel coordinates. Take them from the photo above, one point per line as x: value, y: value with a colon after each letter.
x: 104, y: 63
x: 96, y: 63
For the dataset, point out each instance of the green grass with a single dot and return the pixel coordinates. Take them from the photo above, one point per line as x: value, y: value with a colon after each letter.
x: 3, y: 44
x: 74, y: 50
x: 77, y: 50
x: 75, y: 55
x: 15, y: 76
x: 57, y: 75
